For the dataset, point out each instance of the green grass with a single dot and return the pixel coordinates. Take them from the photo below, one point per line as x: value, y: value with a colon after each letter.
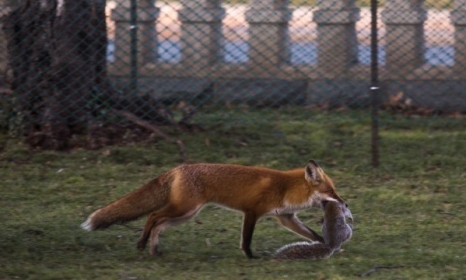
x: 409, y: 214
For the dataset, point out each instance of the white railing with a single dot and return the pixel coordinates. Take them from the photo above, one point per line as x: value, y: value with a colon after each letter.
x: 268, y: 41
x: 431, y: 72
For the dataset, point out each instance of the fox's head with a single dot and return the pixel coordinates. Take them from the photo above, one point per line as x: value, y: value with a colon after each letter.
x: 322, y: 184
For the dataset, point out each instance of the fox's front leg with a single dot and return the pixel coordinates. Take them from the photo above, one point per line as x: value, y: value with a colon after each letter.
x: 249, y: 222
x: 291, y: 222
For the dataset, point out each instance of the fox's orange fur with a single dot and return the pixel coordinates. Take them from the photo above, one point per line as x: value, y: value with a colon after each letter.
x: 179, y: 194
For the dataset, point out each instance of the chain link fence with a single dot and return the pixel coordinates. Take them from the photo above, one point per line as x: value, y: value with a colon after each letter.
x: 69, y: 65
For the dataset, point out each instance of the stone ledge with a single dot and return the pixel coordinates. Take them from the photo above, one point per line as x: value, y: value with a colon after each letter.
x: 179, y: 89
x: 401, y: 17
x: 121, y: 13
x: 336, y: 93
x: 201, y: 15
x: 268, y: 16
x: 260, y: 92
x: 446, y: 95
x: 252, y: 92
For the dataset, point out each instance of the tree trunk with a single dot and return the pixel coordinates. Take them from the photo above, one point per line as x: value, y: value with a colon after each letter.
x: 58, y: 60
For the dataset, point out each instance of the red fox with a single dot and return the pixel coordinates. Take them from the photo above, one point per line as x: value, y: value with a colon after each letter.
x: 335, y: 231
x: 179, y: 194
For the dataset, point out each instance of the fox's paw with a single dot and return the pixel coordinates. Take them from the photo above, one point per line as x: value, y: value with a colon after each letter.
x: 141, y: 245
x: 154, y: 251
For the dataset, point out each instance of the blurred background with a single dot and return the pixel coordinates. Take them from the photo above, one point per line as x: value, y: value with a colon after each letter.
x: 88, y: 67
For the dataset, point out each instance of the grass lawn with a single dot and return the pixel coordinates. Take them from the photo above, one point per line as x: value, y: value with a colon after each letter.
x: 409, y: 214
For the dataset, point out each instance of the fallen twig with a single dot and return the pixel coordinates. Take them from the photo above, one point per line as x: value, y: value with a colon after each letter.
x: 152, y: 127
x: 378, y: 267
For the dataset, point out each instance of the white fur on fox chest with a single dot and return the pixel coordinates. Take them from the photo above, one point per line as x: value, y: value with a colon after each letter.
x: 290, y: 207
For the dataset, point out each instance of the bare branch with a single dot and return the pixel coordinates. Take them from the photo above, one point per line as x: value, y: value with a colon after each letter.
x: 154, y: 128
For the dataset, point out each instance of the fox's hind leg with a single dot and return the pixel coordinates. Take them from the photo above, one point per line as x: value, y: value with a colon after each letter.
x: 160, y: 227
x: 158, y: 221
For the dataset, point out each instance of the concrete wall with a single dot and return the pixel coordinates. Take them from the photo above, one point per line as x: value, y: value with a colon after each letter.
x: 338, y: 78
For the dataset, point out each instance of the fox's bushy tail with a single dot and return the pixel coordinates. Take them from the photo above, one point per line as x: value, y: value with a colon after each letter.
x: 150, y: 197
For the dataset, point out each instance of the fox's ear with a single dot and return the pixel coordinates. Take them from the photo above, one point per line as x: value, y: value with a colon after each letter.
x: 313, y: 173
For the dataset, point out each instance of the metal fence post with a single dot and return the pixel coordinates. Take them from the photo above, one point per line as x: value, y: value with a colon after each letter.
x: 404, y: 21
x: 374, y: 89
x: 337, y: 41
x: 268, y: 33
